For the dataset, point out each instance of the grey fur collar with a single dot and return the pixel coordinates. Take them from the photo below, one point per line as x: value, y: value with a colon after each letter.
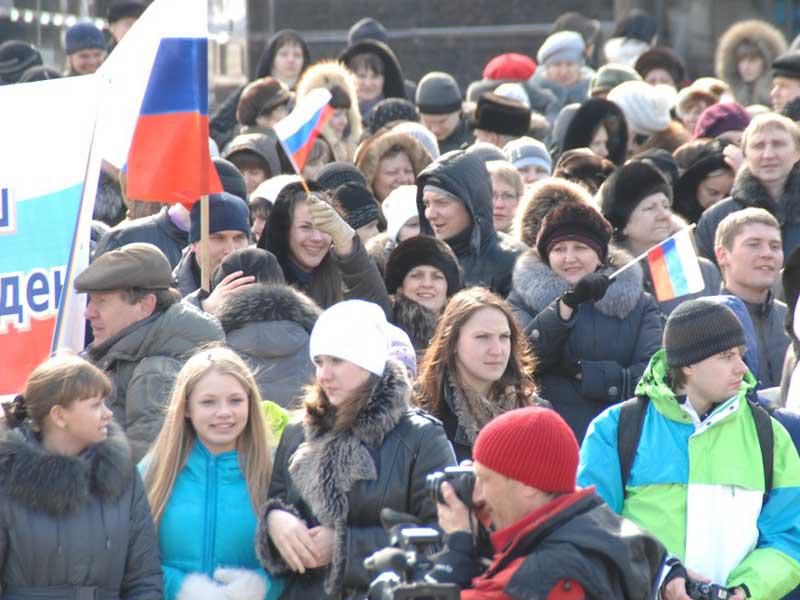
x: 58, y: 484
x: 268, y: 303
x: 749, y: 191
x: 327, y: 465
x: 416, y: 320
x: 538, y: 286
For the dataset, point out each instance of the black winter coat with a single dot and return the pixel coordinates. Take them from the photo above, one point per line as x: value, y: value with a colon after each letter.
x: 344, y: 480
x: 486, y: 256
x: 157, y: 229
x: 71, y: 524
x: 608, y: 342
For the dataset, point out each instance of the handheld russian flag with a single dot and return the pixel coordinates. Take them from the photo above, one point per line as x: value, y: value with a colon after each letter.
x: 156, y: 116
x: 302, y: 126
x: 674, y: 268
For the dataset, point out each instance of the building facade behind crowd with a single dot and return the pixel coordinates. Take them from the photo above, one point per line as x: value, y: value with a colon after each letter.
x: 449, y: 266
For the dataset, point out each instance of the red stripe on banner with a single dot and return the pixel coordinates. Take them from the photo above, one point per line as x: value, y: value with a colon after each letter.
x: 169, y: 160
x: 659, y: 273
x: 22, y: 351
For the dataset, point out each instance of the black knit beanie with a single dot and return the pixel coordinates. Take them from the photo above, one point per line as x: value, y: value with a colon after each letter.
x: 390, y: 110
x: 337, y: 173
x: 231, y: 177
x: 422, y: 250
x: 699, y: 329
x: 356, y: 203
x: 251, y: 262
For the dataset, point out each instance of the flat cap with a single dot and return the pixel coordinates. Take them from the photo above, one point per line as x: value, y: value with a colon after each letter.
x: 132, y: 266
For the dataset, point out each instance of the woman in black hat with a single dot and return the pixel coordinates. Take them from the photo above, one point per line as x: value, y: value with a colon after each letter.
x: 706, y: 180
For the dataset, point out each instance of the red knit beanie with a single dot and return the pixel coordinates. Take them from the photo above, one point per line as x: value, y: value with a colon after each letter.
x: 510, y: 66
x: 533, y: 445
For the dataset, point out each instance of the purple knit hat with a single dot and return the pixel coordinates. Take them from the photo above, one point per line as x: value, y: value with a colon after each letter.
x: 719, y: 118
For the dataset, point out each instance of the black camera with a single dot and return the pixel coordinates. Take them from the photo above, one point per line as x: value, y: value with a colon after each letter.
x: 706, y: 591
x: 461, y: 478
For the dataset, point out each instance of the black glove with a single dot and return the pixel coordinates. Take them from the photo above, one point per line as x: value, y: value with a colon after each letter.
x: 590, y: 287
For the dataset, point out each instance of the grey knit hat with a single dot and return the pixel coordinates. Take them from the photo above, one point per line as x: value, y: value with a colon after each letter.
x: 699, y: 329
x: 438, y: 94
x: 526, y: 151
x: 562, y: 46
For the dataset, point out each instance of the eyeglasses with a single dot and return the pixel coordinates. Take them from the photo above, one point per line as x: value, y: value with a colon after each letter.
x: 505, y: 197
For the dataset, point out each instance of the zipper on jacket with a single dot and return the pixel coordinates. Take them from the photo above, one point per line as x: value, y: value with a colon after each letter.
x: 211, y: 514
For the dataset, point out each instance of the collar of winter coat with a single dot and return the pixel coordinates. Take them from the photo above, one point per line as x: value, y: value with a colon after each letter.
x: 327, y: 465
x: 653, y: 384
x: 577, y: 92
x: 59, y: 484
x: 464, y: 175
x: 177, y: 331
x: 537, y: 285
x: 266, y: 302
x: 416, y: 320
x: 749, y: 191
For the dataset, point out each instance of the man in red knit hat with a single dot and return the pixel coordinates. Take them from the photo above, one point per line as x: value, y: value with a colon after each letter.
x: 550, y: 540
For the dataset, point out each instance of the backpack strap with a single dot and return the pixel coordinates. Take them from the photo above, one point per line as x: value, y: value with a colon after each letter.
x: 766, y: 439
x: 629, y: 430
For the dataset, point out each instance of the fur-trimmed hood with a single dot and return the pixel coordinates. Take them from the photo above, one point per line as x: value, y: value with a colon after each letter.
x: 369, y: 153
x: 268, y: 302
x: 769, y: 40
x: 538, y: 286
x: 58, y: 484
x: 749, y: 191
x: 327, y: 74
x: 542, y: 198
x: 327, y: 464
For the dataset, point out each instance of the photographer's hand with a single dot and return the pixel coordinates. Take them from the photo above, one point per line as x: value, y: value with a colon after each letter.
x: 454, y: 515
x: 291, y: 538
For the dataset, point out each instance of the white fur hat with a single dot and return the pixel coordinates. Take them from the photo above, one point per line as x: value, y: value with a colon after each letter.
x: 646, y: 107
x: 398, y: 207
x: 355, y: 331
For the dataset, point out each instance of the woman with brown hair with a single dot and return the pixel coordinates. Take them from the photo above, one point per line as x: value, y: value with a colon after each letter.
x: 359, y: 448
x: 205, y: 476
x: 73, y: 511
x: 477, y: 367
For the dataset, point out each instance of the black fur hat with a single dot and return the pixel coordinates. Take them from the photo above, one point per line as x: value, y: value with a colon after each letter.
x: 662, y: 58
x: 502, y: 115
x: 627, y: 186
x: 591, y: 114
x: 574, y: 221
x: 422, y: 250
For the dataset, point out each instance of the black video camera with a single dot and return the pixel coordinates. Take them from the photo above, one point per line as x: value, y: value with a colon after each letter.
x: 402, y: 567
x: 699, y: 590
x: 461, y: 478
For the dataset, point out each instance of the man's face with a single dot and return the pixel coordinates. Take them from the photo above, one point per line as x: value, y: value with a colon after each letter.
x: 109, y: 313
x: 717, y: 378
x: 442, y: 126
x: 85, y: 62
x: 220, y: 244
x: 784, y: 90
x: 755, y: 258
x: 770, y: 154
x: 503, y: 498
x: 448, y: 217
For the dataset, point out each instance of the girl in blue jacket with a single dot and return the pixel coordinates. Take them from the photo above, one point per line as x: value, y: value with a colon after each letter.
x: 208, y: 469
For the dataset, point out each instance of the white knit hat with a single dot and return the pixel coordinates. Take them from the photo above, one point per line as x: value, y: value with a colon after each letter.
x: 422, y: 134
x: 398, y: 207
x: 355, y: 331
x: 270, y: 189
x: 646, y: 107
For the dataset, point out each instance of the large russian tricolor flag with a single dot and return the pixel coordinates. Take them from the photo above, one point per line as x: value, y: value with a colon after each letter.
x: 302, y: 126
x: 674, y: 268
x: 45, y: 215
x: 155, y: 117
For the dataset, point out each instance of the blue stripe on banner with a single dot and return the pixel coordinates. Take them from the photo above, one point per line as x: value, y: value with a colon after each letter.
x: 299, y: 138
x: 179, y: 79
x: 675, y: 268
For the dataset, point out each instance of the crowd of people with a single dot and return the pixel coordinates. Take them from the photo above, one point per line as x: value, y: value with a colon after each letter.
x: 452, y: 278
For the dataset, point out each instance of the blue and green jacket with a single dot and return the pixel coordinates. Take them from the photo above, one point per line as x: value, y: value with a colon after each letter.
x: 700, y: 488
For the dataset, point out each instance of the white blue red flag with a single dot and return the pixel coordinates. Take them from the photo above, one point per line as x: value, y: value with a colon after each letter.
x: 302, y: 126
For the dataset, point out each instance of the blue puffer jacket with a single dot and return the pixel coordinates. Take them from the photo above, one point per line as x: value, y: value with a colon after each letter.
x: 209, y: 522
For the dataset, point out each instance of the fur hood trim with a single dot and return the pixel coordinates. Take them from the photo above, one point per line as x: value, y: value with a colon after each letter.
x: 328, y: 464
x: 538, y: 285
x: 542, y: 198
x: 327, y: 74
x: 749, y: 191
x: 769, y: 39
x: 416, y: 320
x: 265, y: 302
x: 379, y: 248
x: 368, y: 155
x: 58, y: 484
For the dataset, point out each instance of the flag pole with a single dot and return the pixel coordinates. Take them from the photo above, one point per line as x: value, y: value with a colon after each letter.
x: 627, y: 266
x: 205, y: 276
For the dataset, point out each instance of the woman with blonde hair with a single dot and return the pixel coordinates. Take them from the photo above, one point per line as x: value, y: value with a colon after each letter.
x: 73, y: 511
x: 360, y: 448
x: 205, y: 475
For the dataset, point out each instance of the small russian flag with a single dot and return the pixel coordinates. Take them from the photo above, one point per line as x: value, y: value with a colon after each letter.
x: 301, y: 127
x: 674, y: 267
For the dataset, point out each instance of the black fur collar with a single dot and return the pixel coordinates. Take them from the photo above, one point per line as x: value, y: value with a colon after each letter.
x: 538, y: 286
x: 58, y: 484
x: 416, y: 320
x: 327, y: 465
x: 268, y: 303
x: 749, y: 191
